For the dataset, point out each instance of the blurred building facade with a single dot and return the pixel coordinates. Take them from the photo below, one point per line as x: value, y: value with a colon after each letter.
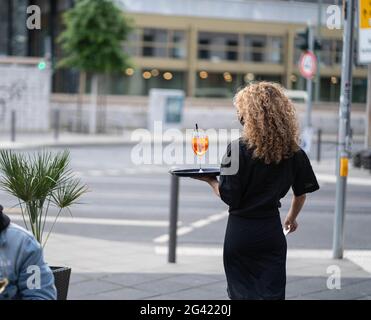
x: 208, y: 48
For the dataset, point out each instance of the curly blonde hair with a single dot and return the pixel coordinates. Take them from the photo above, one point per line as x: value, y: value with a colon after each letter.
x: 270, y: 126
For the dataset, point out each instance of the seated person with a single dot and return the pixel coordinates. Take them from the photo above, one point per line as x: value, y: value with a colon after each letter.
x: 23, y: 271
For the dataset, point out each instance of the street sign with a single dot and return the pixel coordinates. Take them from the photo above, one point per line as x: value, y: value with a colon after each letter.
x: 308, y: 65
x: 364, y: 31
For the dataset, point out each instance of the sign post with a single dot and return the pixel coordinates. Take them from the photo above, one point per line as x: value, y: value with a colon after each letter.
x: 344, y: 136
x: 308, y: 69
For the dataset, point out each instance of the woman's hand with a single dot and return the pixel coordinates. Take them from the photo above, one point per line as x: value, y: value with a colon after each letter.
x: 207, y: 179
x: 296, y: 205
x: 212, y: 181
x: 290, y: 224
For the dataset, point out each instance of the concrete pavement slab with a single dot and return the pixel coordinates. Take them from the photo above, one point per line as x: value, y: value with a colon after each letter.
x: 147, y: 275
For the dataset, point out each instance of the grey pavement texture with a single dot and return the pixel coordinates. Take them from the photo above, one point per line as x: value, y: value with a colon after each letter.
x: 113, y: 270
x: 116, y: 240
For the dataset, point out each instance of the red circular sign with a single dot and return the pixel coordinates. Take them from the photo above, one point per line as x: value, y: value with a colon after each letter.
x: 308, y: 65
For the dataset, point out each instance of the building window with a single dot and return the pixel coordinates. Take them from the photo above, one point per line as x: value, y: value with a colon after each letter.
x: 4, y: 25
x: 138, y: 82
x: 330, y: 89
x: 218, y: 46
x: 359, y: 90
x: 13, y: 31
x: 261, y: 48
x: 216, y: 85
x: 167, y: 79
x: 331, y: 52
x: 226, y: 84
x: 154, y: 43
x: 269, y: 77
x: 226, y: 46
x: 163, y: 43
x: 177, y: 44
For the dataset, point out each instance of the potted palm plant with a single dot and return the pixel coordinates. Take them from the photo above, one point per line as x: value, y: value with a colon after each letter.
x: 42, y: 182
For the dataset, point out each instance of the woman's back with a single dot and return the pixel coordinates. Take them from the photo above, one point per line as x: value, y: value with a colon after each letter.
x: 257, y: 187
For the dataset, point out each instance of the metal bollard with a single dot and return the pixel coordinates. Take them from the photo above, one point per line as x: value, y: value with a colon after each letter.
x: 174, y: 193
x: 56, y: 123
x: 12, y: 125
x: 319, y: 144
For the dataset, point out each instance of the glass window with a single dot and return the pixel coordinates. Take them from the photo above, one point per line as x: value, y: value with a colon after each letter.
x: 330, y: 89
x: 226, y: 84
x: 166, y: 79
x: 154, y: 42
x: 66, y: 81
x: 177, y: 44
x: 261, y: 48
x: 4, y: 11
x: 269, y: 77
x: 218, y: 46
x: 139, y: 82
x: 132, y: 44
x: 13, y: 31
x: 216, y: 85
x: 359, y: 90
x: 163, y: 43
x: 331, y: 52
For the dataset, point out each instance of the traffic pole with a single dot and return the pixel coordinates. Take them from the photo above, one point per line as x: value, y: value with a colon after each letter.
x: 344, y: 139
x: 318, y: 74
x: 368, y: 110
x: 308, y: 113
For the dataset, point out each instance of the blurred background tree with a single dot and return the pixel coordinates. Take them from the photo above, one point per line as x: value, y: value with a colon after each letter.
x: 93, y: 43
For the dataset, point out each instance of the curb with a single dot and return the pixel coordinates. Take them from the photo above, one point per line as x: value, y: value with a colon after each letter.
x: 116, y: 142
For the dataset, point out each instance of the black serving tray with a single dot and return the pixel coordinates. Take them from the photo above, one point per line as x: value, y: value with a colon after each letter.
x: 195, y: 172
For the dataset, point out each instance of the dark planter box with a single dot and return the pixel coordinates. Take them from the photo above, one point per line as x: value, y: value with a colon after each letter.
x: 62, y: 281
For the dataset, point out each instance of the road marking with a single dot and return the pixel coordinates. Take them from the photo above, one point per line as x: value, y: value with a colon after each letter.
x: 328, y: 178
x: 96, y: 173
x: 361, y: 258
x: 191, y: 251
x: 126, y: 180
x: 147, y: 195
x: 113, y: 172
x: 194, y: 225
x: 107, y: 222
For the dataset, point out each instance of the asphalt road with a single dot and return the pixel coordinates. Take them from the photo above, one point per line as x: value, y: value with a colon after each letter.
x: 132, y: 204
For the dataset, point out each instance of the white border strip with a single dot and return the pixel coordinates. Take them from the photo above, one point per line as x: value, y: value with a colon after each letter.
x: 106, y: 222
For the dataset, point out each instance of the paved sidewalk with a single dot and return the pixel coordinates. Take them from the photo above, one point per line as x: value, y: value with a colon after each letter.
x: 121, y: 270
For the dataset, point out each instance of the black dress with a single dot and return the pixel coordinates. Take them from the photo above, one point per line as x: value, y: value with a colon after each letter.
x: 255, y: 246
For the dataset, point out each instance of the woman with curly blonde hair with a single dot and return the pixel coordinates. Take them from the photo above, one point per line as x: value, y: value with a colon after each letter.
x: 256, y: 173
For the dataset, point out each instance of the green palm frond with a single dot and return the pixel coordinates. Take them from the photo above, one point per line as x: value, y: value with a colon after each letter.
x: 38, y: 180
x: 68, y: 193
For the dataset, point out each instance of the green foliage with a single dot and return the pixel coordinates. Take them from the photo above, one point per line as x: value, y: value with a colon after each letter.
x: 94, y: 36
x: 39, y: 181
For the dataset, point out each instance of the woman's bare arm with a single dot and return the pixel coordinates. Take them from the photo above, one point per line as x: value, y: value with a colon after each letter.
x: 212, y: 181
x: 297, y: 204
